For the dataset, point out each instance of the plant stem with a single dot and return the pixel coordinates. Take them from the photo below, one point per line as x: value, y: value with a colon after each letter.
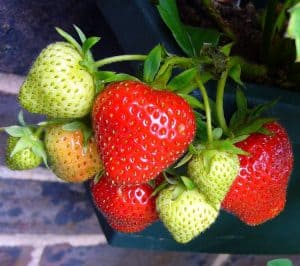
x: 120, y: 58
x: 219, y: 102
x: 207, y: 108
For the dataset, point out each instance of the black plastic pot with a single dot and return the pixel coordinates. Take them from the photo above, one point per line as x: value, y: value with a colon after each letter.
x: 138, y: 28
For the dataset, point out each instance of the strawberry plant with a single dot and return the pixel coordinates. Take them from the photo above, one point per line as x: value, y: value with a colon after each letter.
x: 151, y: 148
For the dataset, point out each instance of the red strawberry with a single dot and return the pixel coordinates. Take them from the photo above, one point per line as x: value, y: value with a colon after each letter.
x: 127, y: 208
x: 259, y: 191
x: 140, y: 131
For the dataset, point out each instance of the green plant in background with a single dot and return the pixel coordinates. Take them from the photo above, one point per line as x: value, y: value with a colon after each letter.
x: 280, y: 262
x: 277, y: 53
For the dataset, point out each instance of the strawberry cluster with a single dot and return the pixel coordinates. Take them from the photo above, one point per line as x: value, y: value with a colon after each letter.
x: 150, y: 149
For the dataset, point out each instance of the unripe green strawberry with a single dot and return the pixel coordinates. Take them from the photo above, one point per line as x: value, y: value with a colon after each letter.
x: 57, y: 85
x: 22, y: 160
x: 186, y: 216
x: 214, y: 172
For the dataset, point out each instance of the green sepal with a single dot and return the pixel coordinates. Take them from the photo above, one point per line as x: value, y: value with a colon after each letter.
x: 227, y: 145
x: 253, y: 126
x: 21, y: 119
x: 169, y: 180
x: 178, y: 190
x: 235, y: 73
x: 159, y: 188
x: 186, y: 158
x: 201, y: 131
x: 261, y: 108
x: 80, y: 33
x: 85, y: 130
x: 192, y: 101
x: 217, y: 133
x: 15, y: 131
x: 89, y: 43
x: 69, y: 39
x: 188, y: 183
x: 22, y: 144
x: 98, y: 177
x: 120, y: 77
x: 38, y: 149
x: 152, y: 64
x: 183, y: 80
x: 226, y: 49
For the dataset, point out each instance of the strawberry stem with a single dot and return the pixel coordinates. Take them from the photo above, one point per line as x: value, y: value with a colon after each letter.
x: 207, y: 108
x: 120, y: 58
x: 219, y: 102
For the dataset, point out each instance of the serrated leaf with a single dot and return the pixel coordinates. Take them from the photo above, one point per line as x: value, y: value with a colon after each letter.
x: 39, y: 150
x: 235, y: 74
x: 89, y: 43
x: 217, y: 133
x: 15, y: 131
x: 183, y: 80
x: 80, y: 33
x: 192, y: 101
x: 253, y: 126
x: 184, y: 160
x: 152, y: 63
x: 179, y: 189
x: 21, y: 118
x: 69, y: 38
x: 23, y: 143
x: 293, y: 29
x: 280, y: 262
x: 188, y: 183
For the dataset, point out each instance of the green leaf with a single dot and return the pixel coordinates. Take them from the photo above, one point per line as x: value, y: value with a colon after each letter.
x: 260, y: 109
x: 201, y: 131
x: 15, y: 131
x: 69, y: 38
x: 253, y: 126
x: 235, y: 74
x: 22, y: 144
x: 280, y: 262
x: 89, y: 43
x: 188, y: 183
x: 241, y: 102
x: 80, y: 33
x: 21, y: 118
x: 192, y: 101
x: 152, y: 63
x: 293, y: 30
x: 198, y: 36
x: 183, y: 80
x: 39, y: 150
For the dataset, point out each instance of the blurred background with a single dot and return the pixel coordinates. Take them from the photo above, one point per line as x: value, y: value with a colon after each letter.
x: 44, y: 221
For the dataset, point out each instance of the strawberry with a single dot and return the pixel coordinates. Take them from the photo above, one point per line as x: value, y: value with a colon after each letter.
x: 186, y: 216
x: 57, y: 85
x: 127, y: 208
x: 21, y: 160
x: 213, y: 172
x: 67, y: 156
x: 140, y: 131
x: 258, y: 193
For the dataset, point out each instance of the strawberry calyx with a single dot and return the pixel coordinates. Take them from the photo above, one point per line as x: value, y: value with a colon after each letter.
x: 28, y: 138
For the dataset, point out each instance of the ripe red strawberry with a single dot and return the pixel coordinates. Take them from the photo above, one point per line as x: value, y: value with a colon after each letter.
x: 140, y: 131
x: 127, y: 208
x: 259, y: 191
